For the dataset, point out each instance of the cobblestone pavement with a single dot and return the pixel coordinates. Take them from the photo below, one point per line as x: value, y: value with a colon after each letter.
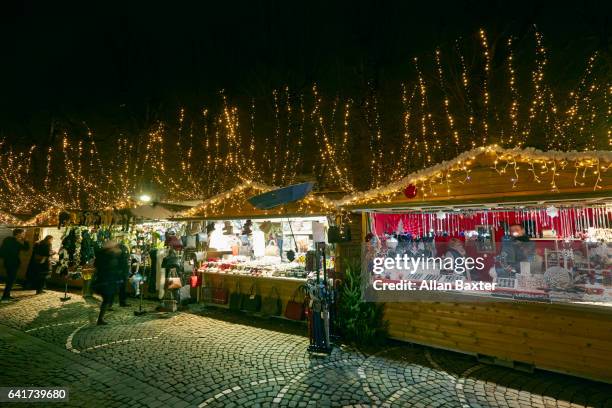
x: 211, y: 358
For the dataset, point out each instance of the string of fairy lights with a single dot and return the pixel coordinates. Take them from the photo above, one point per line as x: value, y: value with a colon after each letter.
x: 458, y: 100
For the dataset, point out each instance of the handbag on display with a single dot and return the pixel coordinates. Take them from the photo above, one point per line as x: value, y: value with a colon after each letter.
x: 202, y: 238
x: 271, y: 305
x: 185, y: 294
x: 173, y: 282
x: 219, y: 295
x: 235, y: 299
x: 190, y: 242
x: 295, y: 309
x: 272, y: 249
x: 194, y: 280
x: 251, y: 302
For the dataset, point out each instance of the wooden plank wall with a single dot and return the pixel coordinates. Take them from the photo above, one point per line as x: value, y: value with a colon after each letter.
x: 570, y: 339
x: 350, y: 251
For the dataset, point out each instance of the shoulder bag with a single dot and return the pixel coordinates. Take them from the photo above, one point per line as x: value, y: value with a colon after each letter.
x: 251, y: 302
x: 271, y: 305
x: 295, y: 308
x: 235, y: 299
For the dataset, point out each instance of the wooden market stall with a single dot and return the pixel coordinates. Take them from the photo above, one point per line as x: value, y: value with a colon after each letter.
x: 233, y: 205
x: 573, y: 338
x: 58, y: 222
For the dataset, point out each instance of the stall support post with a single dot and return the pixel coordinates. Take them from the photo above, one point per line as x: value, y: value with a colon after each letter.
x: 66, y: 297
x: 319, y: 313
x: 140, y: 312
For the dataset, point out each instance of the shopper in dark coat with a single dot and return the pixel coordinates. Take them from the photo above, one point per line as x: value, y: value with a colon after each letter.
x: 10, y: 250
x: 106, y: 275
x: 124, y: 274
x: 40, y: 263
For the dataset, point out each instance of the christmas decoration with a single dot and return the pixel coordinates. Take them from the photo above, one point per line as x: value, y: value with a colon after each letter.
x: 552, y: 211
x: 410, y: 191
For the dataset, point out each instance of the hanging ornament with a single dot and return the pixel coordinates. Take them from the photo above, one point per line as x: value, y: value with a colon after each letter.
x: 552, y: 211
x: 410, y: 191
x: 441, y: 215
x: 391, y: 243
x: 400, y: 227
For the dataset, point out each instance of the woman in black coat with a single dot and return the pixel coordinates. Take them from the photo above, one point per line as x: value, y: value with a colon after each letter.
x: 106, y: 275
x: 40, y: 263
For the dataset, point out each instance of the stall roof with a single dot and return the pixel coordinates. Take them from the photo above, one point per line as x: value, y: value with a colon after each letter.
x: 492, y: 174
x: 233, y: 204
x: 8, y: 219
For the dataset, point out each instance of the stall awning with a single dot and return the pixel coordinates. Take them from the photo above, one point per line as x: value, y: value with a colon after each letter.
x: 493, y: 174
x: 234, y: 204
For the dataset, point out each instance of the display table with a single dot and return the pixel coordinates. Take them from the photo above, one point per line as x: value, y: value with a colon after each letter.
x: 573, y: 339
x: 286, y: 287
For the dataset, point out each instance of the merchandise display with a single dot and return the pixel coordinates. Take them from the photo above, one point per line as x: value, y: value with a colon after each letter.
x: 271, y: 248
x: 267, y: 266
x: 508, y: 250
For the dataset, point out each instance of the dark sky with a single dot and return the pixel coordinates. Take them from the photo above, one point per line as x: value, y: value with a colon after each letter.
x: 118, y: 64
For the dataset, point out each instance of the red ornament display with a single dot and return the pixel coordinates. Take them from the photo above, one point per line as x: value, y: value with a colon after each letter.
x: 410, y: 191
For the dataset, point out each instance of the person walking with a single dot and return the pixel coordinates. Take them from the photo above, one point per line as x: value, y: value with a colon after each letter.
x: 10, y: 251
x: 124, y: 274
x: 105, y: 279
x: 40, y: 263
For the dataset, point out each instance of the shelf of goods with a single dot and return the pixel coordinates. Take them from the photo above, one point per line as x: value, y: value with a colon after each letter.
x: 263, y: 267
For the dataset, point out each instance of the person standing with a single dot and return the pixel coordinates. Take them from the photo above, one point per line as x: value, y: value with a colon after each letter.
x: 10, y: 250
x: 124, y: 274
x: 41, y: 263
x: 518, y: 248
x: 105, y: 279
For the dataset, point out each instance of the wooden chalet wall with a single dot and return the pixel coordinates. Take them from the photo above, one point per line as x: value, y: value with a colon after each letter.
x: 350, y: 251
x: 573, y: 339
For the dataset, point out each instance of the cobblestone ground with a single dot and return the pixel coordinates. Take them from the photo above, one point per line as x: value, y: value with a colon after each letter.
x: 211, y: 358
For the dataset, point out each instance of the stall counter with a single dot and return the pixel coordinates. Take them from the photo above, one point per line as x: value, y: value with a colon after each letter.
x: 286, y: 287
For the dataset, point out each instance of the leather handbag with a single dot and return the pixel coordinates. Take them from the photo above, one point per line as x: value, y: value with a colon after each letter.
x: 173, y: 283
x: 190, y: 241
x: 295, y: 309
x: 272, y: 249
x: 194, y: 280
x: 220, y: 295
x: 251, y: 302
x: 235, y: 299
x: 271, y: 305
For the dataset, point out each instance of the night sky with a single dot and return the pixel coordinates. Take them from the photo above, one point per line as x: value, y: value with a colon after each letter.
x: 120, y: 65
